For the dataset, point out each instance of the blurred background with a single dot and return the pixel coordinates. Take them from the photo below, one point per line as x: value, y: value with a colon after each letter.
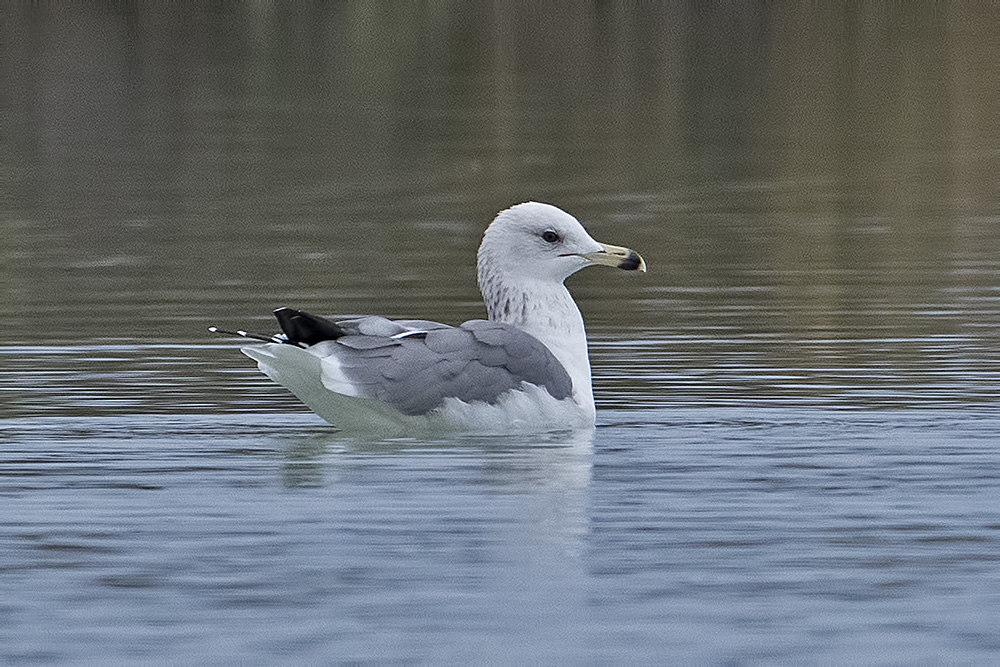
x: 814, y: 188
x: 796, y: 453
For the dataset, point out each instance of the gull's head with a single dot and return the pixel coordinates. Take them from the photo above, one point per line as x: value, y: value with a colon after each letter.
x: 541, y: 242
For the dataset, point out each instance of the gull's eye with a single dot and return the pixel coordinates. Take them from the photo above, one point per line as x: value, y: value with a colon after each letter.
x: 550, y: 236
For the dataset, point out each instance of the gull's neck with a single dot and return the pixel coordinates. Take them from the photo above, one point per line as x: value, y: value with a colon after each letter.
x: 545, y: 310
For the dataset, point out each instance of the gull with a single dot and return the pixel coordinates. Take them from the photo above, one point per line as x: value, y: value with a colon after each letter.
x: 524, y: 369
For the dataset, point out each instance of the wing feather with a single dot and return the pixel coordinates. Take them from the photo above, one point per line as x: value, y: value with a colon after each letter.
x: 478, y: 361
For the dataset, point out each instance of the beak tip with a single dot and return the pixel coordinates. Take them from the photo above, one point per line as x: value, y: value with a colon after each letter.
x: 633, y: 262
x: 617, y: 257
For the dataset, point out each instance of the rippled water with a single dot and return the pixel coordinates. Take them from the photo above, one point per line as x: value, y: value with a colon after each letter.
x: 798, y: 445
x: 715, y: 534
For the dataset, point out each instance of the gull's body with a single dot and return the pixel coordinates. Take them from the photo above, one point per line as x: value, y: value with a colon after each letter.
x: 524, y: 369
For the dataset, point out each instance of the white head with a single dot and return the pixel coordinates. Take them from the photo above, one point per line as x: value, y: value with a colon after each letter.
x: 526, y: 254
x: 535, y: 241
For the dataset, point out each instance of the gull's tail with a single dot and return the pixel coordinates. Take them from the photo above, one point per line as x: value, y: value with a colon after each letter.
x: 246, y: 334
x: 298, y: 328
x: 304, y: 329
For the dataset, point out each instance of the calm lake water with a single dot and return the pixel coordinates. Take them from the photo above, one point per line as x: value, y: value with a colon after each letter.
x: 797, y: 458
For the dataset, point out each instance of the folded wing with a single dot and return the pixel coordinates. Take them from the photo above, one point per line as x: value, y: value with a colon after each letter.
x: 414, y: 365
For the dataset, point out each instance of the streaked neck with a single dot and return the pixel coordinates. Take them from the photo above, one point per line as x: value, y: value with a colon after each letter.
x: 547, y: 312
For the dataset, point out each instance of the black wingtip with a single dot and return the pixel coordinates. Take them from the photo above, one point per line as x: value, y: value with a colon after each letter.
x: 246, y: 334
x: 306, y: 329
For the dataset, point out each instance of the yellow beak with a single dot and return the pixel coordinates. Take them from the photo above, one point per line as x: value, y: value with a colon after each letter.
x: 618, y: 257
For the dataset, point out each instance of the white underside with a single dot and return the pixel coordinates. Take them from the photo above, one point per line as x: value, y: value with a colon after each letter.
x: 318, y: 382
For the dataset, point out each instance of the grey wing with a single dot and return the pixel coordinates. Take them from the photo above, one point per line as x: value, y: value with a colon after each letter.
x: 478, y: 361
x: 375, y: 325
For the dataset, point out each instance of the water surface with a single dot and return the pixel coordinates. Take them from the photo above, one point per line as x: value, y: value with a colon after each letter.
x: 799, y: 405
